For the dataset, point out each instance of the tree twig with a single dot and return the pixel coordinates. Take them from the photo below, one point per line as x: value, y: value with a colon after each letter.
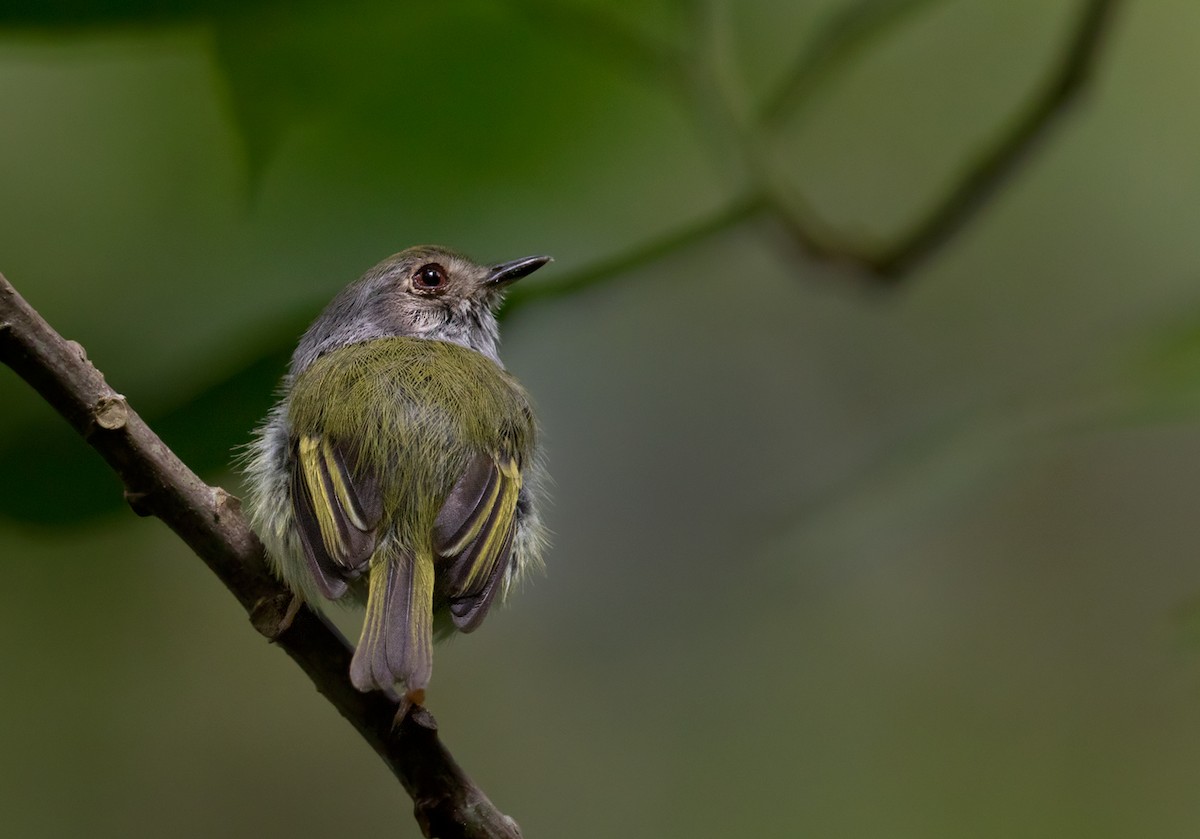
x: 447, y: 803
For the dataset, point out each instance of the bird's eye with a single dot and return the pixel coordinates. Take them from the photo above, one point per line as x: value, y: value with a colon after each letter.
x: 429, y: 277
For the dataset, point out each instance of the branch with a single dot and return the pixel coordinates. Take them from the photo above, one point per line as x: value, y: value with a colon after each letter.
x: 845, y: 36
x: 728, y: 216
x: 979, y: 182
x: 987, y: 174
x: 976, y: 186
x: 447, y: 804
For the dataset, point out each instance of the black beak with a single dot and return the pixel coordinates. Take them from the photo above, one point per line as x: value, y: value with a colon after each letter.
x: 510, y: 272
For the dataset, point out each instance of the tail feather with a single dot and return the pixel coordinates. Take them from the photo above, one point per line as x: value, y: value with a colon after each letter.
x: 396, y: 646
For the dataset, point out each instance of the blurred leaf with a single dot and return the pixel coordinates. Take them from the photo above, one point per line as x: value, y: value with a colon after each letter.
x: 82, y: 13
x: 402, y: 84
x: 646, y: 36
x: 392, y: 81
x: 1165, y: 378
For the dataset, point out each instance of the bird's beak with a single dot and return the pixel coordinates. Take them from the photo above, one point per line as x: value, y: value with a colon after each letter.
x: 510, y: 272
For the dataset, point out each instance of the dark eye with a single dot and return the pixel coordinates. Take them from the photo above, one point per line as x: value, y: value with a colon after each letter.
x: 429, y: 277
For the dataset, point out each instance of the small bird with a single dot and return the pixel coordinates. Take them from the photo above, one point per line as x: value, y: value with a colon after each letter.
x: 401, y: 467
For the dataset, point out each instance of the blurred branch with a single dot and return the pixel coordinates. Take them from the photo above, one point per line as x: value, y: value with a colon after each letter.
x: 729, y: 216
x: 846, y: 35
x: 979, y: 182
x: 988, y: 173
x: 705, y: 74
x: 208, y: 519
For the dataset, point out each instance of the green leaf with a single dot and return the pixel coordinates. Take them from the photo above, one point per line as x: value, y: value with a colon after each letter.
x: 86, y: 14
x: 438, y: 92
x: 1165, y: 378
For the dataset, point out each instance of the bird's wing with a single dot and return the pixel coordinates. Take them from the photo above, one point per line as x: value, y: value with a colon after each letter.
x: 336, y: 512
x: 474, y: 532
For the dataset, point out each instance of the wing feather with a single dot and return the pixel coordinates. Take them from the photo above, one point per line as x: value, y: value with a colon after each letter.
x: 465, y: 511
x: 468, y: 611
x: 475, y: 533
x: 336, y: 512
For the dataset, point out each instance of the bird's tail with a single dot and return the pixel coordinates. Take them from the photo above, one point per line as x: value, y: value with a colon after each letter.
x: 396, y: 646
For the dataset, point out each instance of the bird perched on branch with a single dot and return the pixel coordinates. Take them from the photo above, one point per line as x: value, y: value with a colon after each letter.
x: 400, y: 469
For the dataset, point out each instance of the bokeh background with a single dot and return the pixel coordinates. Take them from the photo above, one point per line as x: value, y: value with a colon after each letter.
x: 834, y: 557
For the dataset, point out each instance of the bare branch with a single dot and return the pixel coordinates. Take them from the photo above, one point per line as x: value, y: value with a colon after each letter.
x: 208, y: 519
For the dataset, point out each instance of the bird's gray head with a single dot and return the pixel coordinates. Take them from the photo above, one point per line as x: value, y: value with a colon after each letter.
x: 422, y: 292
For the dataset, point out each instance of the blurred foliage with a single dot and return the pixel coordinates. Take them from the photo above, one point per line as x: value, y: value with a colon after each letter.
x: 390, y: 83
x: 914, y: 563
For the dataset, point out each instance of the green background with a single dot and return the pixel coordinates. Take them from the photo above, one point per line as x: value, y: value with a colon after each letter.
x: 830, y: 559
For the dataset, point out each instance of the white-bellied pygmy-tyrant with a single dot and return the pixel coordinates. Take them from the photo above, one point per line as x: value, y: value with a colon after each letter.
x: 401, y: 469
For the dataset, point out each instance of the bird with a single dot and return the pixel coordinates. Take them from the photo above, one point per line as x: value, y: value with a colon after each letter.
x: 401, y: 470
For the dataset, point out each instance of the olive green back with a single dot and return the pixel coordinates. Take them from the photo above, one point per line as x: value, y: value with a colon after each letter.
x: 411, y: 412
